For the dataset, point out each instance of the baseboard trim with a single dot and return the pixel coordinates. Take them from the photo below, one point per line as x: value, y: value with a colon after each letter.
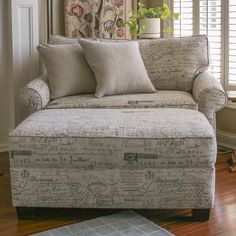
x: 226, y: 139
x: 4, y: 147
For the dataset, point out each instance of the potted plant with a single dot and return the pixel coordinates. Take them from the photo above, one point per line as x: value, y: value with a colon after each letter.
x: 146, y: 22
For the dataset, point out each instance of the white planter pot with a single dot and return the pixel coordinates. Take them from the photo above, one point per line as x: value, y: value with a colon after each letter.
x: 150, y: 27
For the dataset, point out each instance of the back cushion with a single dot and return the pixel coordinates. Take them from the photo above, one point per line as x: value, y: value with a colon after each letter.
x: 173, y: 63
x: 59, y: 39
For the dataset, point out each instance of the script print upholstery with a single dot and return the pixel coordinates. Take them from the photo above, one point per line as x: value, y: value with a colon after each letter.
x: 168, y: 188
x: 173, y: 63
x: 209, y: 94
x: 101, y: 158
x: 206, y: 90
x: 35, y: 95
x: 168, y: 99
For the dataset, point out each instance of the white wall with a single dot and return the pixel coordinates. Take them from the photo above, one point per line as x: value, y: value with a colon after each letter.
x: 25, y: 58
x: 4, y: 75
x: 18, y: 59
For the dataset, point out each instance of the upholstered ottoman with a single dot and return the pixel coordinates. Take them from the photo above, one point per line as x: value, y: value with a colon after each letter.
x: 113, y: 158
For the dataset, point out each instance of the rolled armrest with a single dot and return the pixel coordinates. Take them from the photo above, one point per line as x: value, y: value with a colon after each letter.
x: 209, y: 94
x: 35, y: 95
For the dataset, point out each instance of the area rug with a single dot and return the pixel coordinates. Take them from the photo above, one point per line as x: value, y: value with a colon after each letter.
x: 125, y: 223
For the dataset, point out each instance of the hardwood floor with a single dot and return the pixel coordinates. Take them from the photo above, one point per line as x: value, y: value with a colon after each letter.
x: 222, y: 220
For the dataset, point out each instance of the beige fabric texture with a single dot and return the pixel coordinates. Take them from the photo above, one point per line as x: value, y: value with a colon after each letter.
x: 118, y: 68
x: 173, y: 63
x: 209, y: 94
x: 160, y: 99
x: 68, y: 70
x: 35, y: 95
x: 59, y: 39
x: 114, y: 158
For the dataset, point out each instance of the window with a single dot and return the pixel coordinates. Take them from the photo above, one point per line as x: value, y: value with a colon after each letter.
x: 216, y: 19
x: 232, y: 44
x: 210, y: 24
x: 183, y: 26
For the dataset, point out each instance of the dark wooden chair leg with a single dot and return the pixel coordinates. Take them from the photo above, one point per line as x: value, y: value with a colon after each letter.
x: 201, y: 214
x: 24, y: 213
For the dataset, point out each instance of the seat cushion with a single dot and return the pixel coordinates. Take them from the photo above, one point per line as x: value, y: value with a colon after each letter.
x: 172, y: 99
x: 114, y: 138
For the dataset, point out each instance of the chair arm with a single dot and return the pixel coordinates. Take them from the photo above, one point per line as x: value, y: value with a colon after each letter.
x: 35, y: 95
x: 209, y: 94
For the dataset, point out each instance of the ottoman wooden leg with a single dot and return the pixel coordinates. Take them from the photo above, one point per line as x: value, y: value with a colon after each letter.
x: 24, y: 213
x: 201, y: 214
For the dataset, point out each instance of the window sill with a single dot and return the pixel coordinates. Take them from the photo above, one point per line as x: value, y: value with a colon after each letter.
x: 231, y: 105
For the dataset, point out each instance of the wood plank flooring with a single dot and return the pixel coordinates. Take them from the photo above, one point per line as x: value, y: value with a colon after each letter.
x: 222, y: 221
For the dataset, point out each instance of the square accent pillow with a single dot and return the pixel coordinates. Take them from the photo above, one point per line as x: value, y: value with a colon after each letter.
x: 118, y: 67
x: 68, y: 70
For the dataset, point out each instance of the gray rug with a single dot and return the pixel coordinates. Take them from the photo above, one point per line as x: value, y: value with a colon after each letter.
x: 125, y: 223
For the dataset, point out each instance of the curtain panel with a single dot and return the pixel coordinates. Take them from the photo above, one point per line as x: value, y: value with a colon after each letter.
x: 97, y: 18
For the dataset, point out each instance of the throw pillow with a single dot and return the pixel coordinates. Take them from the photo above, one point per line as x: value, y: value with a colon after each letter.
x: 118, y: 67
x: 68, y: 70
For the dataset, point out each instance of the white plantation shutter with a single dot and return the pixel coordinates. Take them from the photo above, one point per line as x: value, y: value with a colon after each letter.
x: 232, y: 43
x: 216, y: 19
x: 210, y: 24
x: 184, y: 25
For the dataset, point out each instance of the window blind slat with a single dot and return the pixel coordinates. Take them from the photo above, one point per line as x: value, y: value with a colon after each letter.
x: 184, y: 26
x: 204, y: 17
x: 232, y: 42
x: 210, y: 24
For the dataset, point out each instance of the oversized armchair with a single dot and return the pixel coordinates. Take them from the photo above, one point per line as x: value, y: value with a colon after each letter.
x: 143, y: 150
x: 206, y: 91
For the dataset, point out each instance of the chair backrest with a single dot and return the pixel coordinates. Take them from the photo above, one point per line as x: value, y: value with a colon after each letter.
x: 173, y: 63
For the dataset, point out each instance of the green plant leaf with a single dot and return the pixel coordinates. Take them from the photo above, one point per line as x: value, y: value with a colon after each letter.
x: 163, y: 12
x: 169, y: 29
x: 175, y: 16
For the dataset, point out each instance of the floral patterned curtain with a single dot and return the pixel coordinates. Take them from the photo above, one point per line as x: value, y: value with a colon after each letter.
x: 95, y: 18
